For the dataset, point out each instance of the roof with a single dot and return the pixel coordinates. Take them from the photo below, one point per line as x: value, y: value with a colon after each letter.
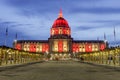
x: 60, y: 22
x: 41, y: 41
x: 88, y: 41
x: 3, y: 46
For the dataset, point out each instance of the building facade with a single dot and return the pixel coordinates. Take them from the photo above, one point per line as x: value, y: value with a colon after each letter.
x: 60, y: 41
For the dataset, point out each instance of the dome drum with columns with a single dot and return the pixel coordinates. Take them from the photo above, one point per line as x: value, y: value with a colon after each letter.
x: 60, y: 41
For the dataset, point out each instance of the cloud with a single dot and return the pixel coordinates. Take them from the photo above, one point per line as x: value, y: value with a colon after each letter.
x: 88, y: 19
x: 83, y: 28
x: 23, y: 24
x: 96, y: 10
x: 35, y: 7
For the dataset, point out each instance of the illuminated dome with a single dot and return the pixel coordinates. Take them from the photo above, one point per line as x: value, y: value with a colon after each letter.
x: 60, y: 27
x: 60, y: 22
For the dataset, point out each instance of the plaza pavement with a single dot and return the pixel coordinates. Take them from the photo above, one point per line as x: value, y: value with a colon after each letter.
x: 60, y: 70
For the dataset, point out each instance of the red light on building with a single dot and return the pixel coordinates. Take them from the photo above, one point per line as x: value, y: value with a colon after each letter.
x: 56, y: 31
x: 64, y: 31
x: 60, y: 46
x: 32, y: 47
x: 75, y: 47
x: 18, y: 46
x: 60, y: 41
x: 88, y: 47
x: 43, y: 47
x: 46, y: 48
x: 102, y: 46
x: 60, y: 27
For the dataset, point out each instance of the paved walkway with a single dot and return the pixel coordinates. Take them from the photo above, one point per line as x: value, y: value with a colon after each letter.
x: 60, y: 70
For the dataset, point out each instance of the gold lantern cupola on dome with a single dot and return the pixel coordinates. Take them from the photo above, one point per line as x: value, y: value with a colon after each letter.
x: 60, y: 14
x: 60, y: 26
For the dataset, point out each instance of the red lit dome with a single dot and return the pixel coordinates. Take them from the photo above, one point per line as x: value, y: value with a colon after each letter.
x: 60, y: 22
x: 60, y: 27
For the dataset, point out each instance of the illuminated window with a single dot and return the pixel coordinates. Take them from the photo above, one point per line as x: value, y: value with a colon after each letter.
x: 53, y: 31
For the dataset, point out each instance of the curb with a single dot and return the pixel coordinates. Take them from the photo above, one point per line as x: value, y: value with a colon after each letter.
x: 7, y: 67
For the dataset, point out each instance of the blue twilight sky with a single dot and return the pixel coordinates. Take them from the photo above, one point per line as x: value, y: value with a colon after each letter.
x: 32, y: 19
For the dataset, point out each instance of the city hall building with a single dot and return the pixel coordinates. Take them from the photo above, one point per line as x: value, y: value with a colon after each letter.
x: 60, y: 41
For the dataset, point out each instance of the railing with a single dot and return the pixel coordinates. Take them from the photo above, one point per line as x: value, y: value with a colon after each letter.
x: 107, y: 57
x: 9, y: 56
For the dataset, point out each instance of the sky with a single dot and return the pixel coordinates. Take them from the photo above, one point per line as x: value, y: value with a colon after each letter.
x: 32, y: 19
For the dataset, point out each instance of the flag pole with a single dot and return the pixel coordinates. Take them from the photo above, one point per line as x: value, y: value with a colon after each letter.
x: 15, y: 41
x: 114, y: 36
x: 104, y: 36
x: 6, y: 35
x: 16, y: 36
